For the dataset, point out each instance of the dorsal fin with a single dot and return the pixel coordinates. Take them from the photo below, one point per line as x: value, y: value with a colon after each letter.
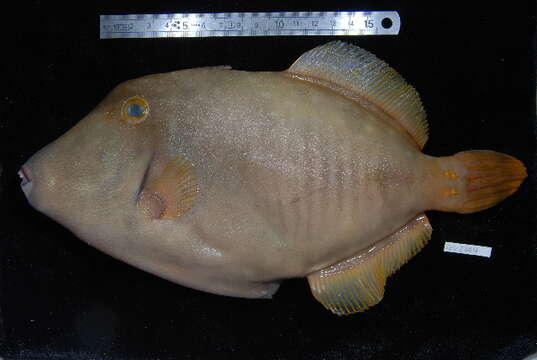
x: 362, y: 73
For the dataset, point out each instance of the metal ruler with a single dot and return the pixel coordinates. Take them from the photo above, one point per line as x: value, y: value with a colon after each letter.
x: 302, y: 23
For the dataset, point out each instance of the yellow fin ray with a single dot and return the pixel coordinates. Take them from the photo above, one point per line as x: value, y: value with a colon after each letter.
x: 172, y: 193
x: 490, y: 178
x: 357, y: 283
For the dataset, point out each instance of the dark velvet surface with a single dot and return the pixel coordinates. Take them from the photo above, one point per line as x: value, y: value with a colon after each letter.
x: 474, y: 67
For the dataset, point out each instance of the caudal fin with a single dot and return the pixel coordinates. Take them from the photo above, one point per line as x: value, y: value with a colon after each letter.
x: 489, y: 177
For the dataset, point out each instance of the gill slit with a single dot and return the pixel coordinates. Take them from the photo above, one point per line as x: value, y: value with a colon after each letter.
x: 143, y: 181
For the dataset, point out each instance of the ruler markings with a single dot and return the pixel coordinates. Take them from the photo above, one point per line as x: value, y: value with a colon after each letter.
x: 249, y: 24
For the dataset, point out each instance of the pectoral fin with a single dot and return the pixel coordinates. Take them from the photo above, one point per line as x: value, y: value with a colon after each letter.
x: 172, y: 193
x: 357, y: 283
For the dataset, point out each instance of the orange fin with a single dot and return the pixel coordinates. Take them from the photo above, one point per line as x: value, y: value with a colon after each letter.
x: 357, y: 283
x: 490, y: 178
x: 363, y: 74
x: 172, y: 193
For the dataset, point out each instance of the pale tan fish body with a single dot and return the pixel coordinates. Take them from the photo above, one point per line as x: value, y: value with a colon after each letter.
x: 229, y: 181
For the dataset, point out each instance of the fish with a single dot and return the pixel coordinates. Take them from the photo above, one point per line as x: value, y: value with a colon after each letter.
x: 230, y: 182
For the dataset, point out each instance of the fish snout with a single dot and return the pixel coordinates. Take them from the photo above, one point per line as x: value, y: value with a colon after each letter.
x: 27, y: 183
x: 32, y: 185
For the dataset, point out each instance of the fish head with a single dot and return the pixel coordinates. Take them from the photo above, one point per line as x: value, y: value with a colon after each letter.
x: 90, y: 178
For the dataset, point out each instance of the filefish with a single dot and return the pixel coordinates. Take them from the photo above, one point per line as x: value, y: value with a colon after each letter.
x: 231, y: 181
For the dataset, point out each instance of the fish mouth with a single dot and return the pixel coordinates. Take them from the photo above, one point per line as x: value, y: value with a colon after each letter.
x: 26, y: 179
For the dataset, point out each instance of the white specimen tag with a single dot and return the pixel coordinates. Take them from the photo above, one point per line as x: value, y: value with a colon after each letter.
x: 466, y: 249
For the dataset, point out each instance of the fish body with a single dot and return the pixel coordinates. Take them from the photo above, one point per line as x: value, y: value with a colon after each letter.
x: 230, y: 181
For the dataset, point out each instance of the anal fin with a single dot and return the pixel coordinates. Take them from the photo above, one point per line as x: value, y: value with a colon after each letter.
x: 357, y: 283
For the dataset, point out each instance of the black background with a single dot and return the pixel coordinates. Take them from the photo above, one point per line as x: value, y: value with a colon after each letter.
x: 474, y: 67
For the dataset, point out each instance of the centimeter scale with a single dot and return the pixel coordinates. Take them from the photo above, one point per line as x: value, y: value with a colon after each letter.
x: 224, y: 24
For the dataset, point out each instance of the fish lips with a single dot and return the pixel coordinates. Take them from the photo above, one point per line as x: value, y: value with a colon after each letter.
x: 26, y: 184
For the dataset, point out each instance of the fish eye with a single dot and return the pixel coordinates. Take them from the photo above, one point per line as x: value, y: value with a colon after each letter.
x: 134, y: 110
